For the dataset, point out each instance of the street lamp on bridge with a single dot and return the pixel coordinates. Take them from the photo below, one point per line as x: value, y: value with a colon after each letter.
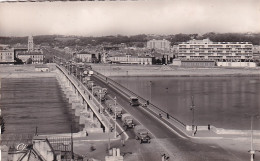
x: 252, y: 151
x: 192, y: 108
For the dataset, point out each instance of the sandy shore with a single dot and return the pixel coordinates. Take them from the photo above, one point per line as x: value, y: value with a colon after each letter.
x: 167, y: 70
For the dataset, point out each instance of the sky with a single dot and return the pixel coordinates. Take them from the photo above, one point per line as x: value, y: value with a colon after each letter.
x: 101, y: 18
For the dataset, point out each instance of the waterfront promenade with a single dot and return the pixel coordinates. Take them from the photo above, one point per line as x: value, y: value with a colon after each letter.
x: 169, y: 70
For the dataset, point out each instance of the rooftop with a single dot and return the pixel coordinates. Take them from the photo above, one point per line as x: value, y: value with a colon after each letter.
x: 207, y: 41
x: 29, y: 53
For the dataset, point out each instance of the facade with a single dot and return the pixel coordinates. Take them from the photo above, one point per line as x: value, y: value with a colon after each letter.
x: 159, y: 44
x: 217, y: 51
x: 236, y: 64
x: 256, y: 51
x: 85, y: 56
x: 7, y: 56
x: 35, y: 54
x: 128, y: 59
x: 37, y: 57
x: 198, y: 63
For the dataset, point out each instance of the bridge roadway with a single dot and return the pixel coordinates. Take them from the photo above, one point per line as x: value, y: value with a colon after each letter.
x: 178, y: 146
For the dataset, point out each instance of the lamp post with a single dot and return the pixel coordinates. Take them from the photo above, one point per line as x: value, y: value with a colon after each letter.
x: 72, y: 153
x: 150, y: 91
x: 252, y: 151
x: 192, y: 108
x: 92, y: 84
x: 115, y: 115
x: 100, y: 94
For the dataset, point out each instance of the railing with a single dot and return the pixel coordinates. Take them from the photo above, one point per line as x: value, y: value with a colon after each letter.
x: 125, y: 91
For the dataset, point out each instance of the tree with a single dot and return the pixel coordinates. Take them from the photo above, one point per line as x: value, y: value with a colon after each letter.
x: 2, y: 123
x: 158, y: 61
x: 29, y: 61
x: 18, y: 61
x: 163, y: 60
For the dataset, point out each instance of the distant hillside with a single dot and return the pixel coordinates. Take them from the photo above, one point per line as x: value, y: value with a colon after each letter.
x: 136, y: 40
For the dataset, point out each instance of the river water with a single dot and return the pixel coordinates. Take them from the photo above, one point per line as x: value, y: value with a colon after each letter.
x: 30, y: 102
x: 219, y: 101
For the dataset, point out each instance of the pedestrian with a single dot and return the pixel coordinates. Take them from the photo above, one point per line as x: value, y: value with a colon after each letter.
x: 160, y: 115
x: 123, y: 142
x: 89, y: 97
x: 86, y: 133
x: 208, y: 126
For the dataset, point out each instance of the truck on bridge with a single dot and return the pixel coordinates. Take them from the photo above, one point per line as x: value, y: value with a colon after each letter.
x: 128, y: 121
x: 101, y: 95
x: 85, y: 80
x: 116, y: 110
x: 104, y: 90
x: 96, y: 90
x: 90, y: 84
x: 133, y: 101
x: 142, y: 134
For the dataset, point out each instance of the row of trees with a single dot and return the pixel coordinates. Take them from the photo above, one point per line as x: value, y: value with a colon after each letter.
x: 136, y: 40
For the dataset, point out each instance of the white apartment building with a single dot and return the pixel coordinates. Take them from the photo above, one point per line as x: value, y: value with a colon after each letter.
x: 128, y: 59
x: 217, y: 51
x: 159, y: 44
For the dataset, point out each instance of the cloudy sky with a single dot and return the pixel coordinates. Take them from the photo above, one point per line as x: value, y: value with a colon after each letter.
x: 129, y: 17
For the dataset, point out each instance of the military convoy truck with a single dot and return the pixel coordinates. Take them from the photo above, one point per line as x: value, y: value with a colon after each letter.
x: 133, y: 101
x: 101, y: 96
x: 142, y: 134
x: 104, y: 90
x: 90, y: 84
x: 96, y: 90
x: 85, y: 80
x: 116, y: 110
x: 127, y: 120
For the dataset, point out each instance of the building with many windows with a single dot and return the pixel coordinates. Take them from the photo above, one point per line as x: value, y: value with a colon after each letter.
x: 159, y: 44
x: 128, y: 59
x: 35, y: 56
x: 85, y: 56
x: 6, y: 56
x: 217, y: 51
x: 31, y: 54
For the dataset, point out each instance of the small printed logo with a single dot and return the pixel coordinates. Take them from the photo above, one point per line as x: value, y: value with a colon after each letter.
x: 21, y: 147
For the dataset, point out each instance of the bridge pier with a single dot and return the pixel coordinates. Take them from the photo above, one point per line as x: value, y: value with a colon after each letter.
x: 86, y: 110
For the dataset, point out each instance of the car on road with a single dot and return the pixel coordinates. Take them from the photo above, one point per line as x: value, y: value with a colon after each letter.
x: 142, y: 134
x: 134, y: 101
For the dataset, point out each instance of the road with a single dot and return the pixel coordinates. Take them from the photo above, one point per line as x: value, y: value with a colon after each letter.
x: 177, y: 147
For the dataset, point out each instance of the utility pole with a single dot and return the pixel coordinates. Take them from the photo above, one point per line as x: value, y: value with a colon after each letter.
x: 192, y: 108
x: 252, y: 151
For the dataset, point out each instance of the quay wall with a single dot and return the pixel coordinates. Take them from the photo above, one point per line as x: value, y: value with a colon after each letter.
x: 168, y: 70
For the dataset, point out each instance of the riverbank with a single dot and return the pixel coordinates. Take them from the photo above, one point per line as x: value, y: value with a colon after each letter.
x: 168, y: 70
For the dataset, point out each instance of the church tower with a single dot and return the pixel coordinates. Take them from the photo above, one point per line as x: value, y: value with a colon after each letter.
x: 30, y: 43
